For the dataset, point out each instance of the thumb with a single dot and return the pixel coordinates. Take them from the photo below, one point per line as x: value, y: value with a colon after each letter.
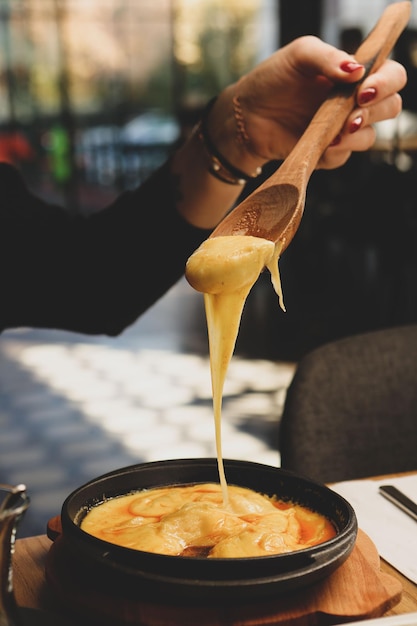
x: 311, y: 55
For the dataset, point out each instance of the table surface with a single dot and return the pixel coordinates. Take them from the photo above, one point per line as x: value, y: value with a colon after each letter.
x: 31, y: 588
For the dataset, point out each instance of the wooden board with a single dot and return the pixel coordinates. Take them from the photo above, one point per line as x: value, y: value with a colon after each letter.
x: 357, y: 590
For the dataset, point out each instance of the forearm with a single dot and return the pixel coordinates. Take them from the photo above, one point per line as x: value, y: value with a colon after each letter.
x: 91, y: 275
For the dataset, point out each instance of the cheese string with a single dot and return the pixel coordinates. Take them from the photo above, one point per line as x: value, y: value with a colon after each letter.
x: 223, y: 312
x: 225, y: 270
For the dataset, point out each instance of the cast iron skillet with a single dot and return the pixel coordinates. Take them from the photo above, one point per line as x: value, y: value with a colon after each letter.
x: 200, y: 578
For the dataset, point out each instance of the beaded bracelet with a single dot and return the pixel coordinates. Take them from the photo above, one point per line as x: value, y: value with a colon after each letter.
x: 220, y: 167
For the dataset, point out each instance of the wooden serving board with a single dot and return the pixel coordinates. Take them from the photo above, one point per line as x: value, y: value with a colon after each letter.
x: 357, y: 590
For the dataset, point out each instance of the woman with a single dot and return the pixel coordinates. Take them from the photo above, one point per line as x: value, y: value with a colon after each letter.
x: 97, y: 274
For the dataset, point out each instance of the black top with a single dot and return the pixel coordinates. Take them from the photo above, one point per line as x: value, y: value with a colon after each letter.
x: 91, y: 274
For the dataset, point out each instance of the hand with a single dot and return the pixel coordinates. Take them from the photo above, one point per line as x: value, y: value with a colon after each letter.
x: 261, y: 117
x: 279, y: 97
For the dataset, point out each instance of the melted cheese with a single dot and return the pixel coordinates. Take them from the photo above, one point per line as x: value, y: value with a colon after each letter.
x: 193, y: 521
x: 214, y: 520
x: 225, y: 269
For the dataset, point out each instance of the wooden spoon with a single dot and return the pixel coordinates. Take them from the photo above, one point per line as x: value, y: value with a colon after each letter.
x: 274, y: 210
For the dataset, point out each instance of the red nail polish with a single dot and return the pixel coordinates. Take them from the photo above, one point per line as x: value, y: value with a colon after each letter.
x: 367, y: 96
x: 336, y: 140
x: 356, y: 124
x: 350, y: 66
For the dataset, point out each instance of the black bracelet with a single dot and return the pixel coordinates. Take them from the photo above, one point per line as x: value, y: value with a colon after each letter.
x: 218, y: 165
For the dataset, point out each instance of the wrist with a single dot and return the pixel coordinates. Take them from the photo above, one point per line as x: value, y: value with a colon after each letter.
x: 222, y: 134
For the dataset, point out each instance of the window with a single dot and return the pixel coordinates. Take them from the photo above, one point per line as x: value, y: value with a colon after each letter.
x: 74, y: 73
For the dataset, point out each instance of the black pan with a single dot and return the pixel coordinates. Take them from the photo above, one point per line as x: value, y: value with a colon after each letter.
x: 200, y: 578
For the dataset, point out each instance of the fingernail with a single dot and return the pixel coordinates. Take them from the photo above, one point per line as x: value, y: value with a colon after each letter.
x: 336, y: 140
x: 367, y: 95
x: 350, y: 66
x: 356, y: 124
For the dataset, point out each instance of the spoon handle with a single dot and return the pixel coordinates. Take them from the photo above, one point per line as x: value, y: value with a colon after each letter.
x: 332, y: 114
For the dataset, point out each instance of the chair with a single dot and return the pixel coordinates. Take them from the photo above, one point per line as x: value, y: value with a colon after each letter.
x: 351, y: 409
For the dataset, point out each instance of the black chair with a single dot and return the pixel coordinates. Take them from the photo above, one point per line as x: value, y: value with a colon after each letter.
x: 351, y: 409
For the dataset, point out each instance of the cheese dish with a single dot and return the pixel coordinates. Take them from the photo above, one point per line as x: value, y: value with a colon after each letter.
x: 192, y: 520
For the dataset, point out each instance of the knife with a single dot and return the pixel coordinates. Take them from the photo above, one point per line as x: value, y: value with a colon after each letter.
x: 400, y: 500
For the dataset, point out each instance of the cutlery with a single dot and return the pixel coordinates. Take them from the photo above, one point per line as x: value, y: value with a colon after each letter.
x: 400, y: 500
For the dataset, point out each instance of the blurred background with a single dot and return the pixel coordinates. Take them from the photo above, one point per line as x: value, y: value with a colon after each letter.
x: 94, y: 95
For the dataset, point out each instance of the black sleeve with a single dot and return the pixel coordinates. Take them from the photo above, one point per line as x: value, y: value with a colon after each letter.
x: 92, y: 274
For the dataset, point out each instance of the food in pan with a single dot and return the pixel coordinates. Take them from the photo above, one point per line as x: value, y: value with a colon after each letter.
x: 192, y: 520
